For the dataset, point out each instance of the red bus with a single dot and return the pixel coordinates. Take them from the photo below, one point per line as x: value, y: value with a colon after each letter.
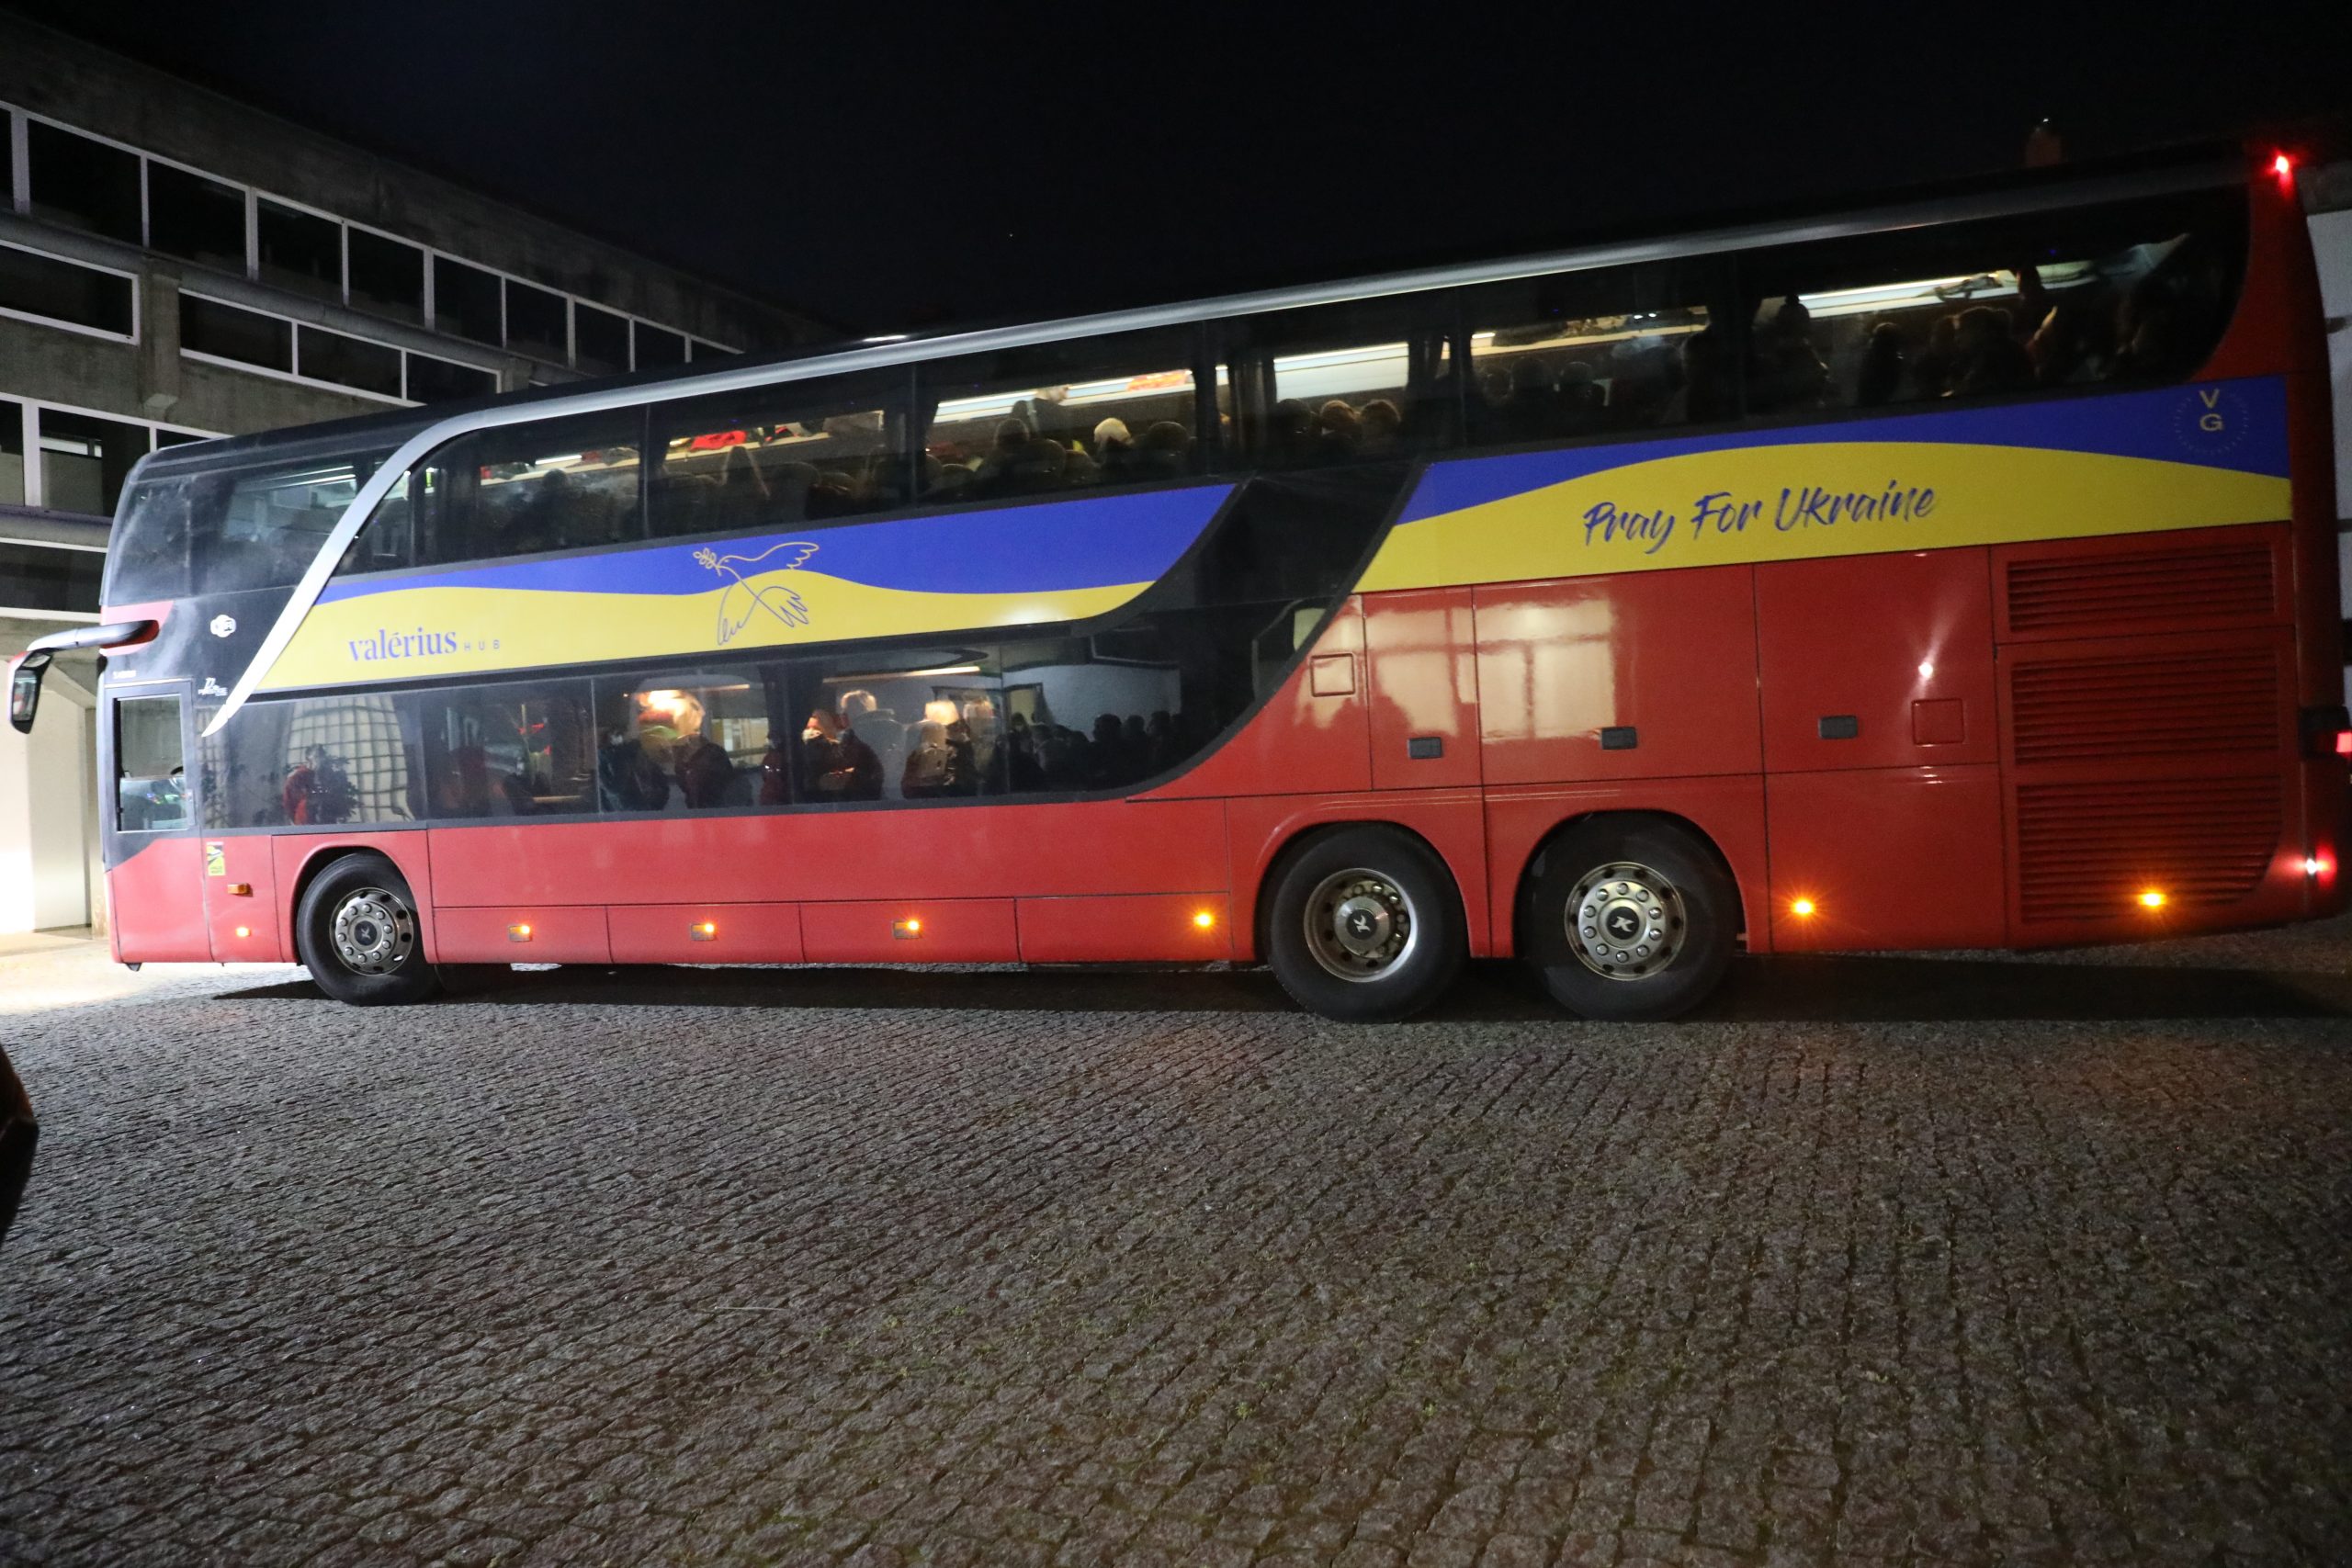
x: 1955, y: 573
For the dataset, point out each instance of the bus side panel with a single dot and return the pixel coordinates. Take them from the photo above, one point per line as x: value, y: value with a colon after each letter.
x: 1645, y: 675
x: 1888, y: 858
x: 242, y: 896
x: 1422, y: 648
x: 1180, y: 928
x: 1312, y: 735
x: 1451, y: 820
x: 297, y: 856
x: 155, y: 904
x: 1729, y: 810
x: 960, y: 851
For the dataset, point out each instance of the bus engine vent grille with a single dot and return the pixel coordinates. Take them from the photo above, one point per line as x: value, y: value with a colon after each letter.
x: 2147, y: 704
x: 2156, y: 588
x: 2085, y: 850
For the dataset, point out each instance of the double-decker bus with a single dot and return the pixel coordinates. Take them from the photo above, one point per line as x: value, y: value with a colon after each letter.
x: 1953, y: 574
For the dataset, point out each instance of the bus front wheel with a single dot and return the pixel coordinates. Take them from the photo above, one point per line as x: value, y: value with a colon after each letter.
x: 1630, y: 918
x: 356, y: 932
x: 1364, y: 925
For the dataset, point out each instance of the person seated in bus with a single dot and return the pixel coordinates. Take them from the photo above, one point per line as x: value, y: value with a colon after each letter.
x: 1879, y: 379
x: 1384, y: 428
x: 775, y: 774
x: 1165, y: 452
x: 928, y: 770
x: 1159, y: 743
x: 863, y: 716
x: 1290, y: 432
x: 1339, y: 431
x: 1115, y: 450
x: 1932, y: 367
x: 2070, y: 345
x: 838, y: 765
x: 1106, y: 753
x: 1986, y: 356
x: 1785, y: 371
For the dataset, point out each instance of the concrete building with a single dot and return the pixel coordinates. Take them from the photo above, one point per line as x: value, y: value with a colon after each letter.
x: 175, y: 264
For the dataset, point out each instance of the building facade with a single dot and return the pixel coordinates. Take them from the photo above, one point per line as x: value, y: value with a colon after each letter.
x: 175, y: 265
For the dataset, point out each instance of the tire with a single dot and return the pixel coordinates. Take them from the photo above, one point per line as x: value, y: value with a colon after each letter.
x: 1364, y: 925
x: 378, y: 958
x: 1679, y: 912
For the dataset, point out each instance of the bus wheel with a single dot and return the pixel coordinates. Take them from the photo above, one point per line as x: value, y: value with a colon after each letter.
x: 1630, y: 919
x: 356, y: 932
x: 1366, y: 926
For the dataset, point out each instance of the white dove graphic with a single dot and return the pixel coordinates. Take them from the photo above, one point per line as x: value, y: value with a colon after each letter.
x: 741, y: 601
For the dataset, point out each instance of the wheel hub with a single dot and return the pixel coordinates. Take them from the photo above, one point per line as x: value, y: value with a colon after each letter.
x: 1360, y: 925
x: 1625, y: 921
x: 373, y: 931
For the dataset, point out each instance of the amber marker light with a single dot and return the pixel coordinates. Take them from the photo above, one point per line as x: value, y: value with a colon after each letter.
x: 518, y: 933
x: 2152, y: 898
x: 1801, y: 908
x: 245, y: 931
x: 702, y: 931
x: 1204, y: 920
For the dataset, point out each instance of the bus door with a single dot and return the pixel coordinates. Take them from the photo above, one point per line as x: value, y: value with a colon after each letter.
x: 155, y: 859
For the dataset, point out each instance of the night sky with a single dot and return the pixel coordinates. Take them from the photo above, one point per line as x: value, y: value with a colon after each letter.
x: 887, y: 167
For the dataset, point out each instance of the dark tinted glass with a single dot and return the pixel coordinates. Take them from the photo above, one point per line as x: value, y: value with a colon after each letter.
x: 387, y: 276
x: 1058, y: 417
x: 207, y: 326
x: 149, y: 776
x: 466, y: 301
x: 12, y: 454
x: 691, y: 740
x: 50, y: 577
x: 316, y: 761
x: 195, y: 218
x: 301, y: 251
x: 522, y: 751
x: 62, y: 291
x: 536, y: 322
x: 84, y: 460
x: 434, y: 380
x: 529, y: 489
x: 350, y: 362
x: 83, y: 183
x: 1362, y: 381
x: 780, y: 457
x: 263, y: 527
x: 1585, y: 353
x: 2131, y: 292
x: 602, y: 340
x: 905, y: 724
x: 656, y: 348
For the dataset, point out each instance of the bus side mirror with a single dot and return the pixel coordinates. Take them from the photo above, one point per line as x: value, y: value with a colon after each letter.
x: 24, y: 690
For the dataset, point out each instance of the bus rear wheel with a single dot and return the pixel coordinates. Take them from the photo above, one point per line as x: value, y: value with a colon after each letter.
x: 356, y: 932
x: 1364, y: 925
x: 1630, y: 919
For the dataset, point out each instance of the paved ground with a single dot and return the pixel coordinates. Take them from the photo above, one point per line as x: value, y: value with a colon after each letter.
x: 1884, y: 1260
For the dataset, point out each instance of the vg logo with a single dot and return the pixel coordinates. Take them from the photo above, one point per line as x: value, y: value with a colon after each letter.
x: 2208, y: 421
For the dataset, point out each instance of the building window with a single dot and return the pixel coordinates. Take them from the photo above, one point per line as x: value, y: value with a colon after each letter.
x: 465, y: 301
x: 387, y: 276
x: 35, y: 285
x: 535, y: 322
x: 195, y: 219
x: 656, y: 346
x: 84, y: 461
x: 82, y: 184
x: 349, y: 362
x: 12, y: 454
x: 603, y: 341
x: 299, y: 251
x: 434, y: 380
x: 224, y: 332
x: 48, y: 577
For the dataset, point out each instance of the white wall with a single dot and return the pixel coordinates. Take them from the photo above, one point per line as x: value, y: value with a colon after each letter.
x: 47, y: 814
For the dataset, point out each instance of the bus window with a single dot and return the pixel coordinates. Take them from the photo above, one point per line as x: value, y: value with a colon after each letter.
x: 2129, y: 292
x: 562, y: 485
x: 778, y: 457
x: 1058, y: 417
x: 689, y: 740
x: 907, y: 724
x: 1363, y: 382
x: 1584, y: 353
x: 316, y: 761
x: 522, y: 751
x: 268, y: 527
x: 149, y: 778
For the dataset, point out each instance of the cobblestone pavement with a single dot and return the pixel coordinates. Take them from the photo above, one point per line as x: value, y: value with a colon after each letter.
x: 1882, y: 1260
